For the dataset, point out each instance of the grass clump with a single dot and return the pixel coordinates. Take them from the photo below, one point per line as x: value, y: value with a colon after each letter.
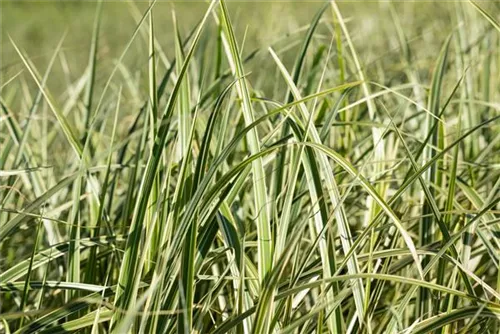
x: 339, y: 178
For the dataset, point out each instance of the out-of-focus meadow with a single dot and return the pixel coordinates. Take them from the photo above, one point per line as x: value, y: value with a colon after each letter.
x: 38, y: 26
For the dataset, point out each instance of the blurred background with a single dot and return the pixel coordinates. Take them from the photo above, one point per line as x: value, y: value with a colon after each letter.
x: 375, y: 27
x: 38, y: 26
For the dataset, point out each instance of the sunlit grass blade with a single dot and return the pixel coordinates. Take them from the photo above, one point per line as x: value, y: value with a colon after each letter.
x: 265, y: 248
x: 334, y: 196
x: 128, y: 284
x: 68, y: 130
x: 486, y: 15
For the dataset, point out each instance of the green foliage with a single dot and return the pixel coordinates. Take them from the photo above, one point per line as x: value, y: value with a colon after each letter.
x: 234, y: 179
